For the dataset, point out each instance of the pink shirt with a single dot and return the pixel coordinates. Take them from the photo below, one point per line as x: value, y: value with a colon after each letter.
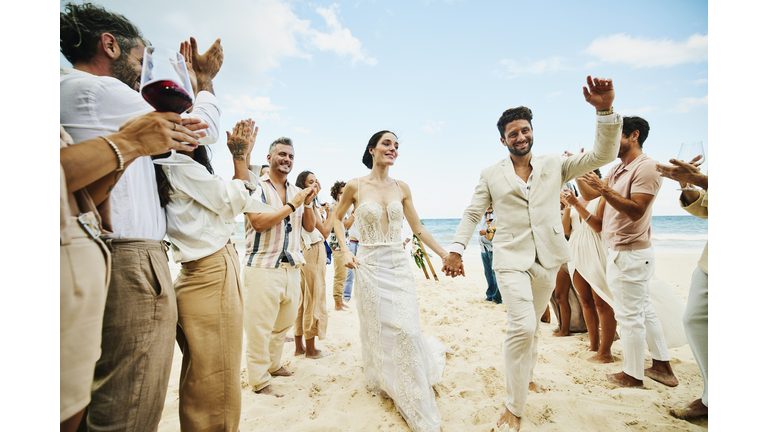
x: 619, y: 231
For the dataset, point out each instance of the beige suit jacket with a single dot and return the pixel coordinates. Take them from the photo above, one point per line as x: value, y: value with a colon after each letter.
x: 700, y: 209
x: 531, y: 228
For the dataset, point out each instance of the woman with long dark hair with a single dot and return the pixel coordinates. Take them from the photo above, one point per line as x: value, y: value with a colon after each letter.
x: 398, y: 361
x: 312, y: 319
x: 200, y: 209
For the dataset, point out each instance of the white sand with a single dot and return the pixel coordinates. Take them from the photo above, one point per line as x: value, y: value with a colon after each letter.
x: 329, y: 395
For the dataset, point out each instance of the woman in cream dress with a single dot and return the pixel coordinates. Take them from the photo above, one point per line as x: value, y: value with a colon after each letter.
x: 398, y: 361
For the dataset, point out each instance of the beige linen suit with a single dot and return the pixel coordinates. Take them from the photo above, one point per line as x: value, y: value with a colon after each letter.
x: 529, y: 245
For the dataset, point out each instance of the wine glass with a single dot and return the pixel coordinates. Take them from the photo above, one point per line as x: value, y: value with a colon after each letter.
x: 691, y: 152
x: 574, y: 147
x: 166, y: 86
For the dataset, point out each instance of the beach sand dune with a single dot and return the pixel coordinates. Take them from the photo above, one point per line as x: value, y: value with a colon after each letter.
x: 328, y: 395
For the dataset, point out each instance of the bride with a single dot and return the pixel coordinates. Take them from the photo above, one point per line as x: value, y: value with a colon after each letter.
x: 397, y: 360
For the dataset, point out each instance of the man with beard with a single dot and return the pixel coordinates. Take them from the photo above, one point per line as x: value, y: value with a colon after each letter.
x: 271, y: 274
x: 529, y: 246
x: 628, y: 192
x: 98, y: 95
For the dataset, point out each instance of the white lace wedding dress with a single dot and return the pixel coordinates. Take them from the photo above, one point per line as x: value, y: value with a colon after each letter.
x: 398, y: 362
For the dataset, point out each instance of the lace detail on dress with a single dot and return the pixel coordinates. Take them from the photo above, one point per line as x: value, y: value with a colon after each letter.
x: 385, y: 271
x: 369, y: 222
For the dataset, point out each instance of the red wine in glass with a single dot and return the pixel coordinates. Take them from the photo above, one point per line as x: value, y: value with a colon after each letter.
x: 167, y: 96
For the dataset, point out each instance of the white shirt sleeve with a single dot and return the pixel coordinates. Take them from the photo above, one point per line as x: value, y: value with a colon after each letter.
x: 207, y: 109
x: 226, y: 198
x: 457, y: 248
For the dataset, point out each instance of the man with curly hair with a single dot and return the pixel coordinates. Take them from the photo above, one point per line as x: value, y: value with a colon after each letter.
x: 529, y: 246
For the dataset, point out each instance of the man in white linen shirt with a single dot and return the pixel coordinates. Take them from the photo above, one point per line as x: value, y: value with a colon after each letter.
x: 529, y: 246
x: 98, y: 95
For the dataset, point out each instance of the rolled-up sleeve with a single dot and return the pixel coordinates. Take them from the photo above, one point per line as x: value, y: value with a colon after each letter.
x: 207, y: 109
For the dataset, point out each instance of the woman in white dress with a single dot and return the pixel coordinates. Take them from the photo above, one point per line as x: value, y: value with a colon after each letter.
x: 587, y: 269
x: 397, y: 359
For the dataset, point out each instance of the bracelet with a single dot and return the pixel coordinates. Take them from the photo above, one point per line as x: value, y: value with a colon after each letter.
x: 121, y: 162
x: 587, y: 218
x: 308, y: 205
x: 293, y: 209
x: 606, y: 112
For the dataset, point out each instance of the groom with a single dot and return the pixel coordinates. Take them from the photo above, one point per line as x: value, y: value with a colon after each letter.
x: 529, y: 245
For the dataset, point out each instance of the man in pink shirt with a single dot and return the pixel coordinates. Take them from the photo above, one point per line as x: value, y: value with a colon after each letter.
x: 630, y: 189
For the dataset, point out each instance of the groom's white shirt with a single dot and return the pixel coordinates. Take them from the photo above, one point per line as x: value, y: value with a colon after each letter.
x: 528, y: 225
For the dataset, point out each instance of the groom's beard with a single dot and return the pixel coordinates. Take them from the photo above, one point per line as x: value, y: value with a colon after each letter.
x: 516, y: 152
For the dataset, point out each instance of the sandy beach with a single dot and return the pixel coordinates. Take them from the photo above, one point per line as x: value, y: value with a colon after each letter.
x: 328, y: 394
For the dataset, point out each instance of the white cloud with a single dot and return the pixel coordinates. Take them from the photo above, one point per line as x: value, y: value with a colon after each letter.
x: 339, y: 40
x: 260, y: 108
x: 552, y: 64
x: 637, y: 111
x: 433, y: 126
x: 301, y: 130
x: 687, y: 104
x: 700, y: 81
x: 644, y: 52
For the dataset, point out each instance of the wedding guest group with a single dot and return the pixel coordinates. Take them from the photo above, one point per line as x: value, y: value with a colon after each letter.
x: 124, y: 210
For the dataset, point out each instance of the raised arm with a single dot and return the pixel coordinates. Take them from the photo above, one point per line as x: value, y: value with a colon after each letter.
x: 600, y: 94
x: 238, y: 143
x: 685, y: 173
x: 206, y: 65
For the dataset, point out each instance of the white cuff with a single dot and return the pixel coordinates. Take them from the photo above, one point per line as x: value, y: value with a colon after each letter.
x: 457, y: 248
x: 614, y: 118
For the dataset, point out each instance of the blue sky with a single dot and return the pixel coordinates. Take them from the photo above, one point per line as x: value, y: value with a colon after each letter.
x: 439, y: 74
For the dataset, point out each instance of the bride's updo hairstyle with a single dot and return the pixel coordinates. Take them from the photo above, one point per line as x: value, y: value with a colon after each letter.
x: 367, y: 156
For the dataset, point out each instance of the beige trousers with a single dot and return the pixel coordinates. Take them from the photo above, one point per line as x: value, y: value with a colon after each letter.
x: 84, y: 276
x: 312, y: 317
x: 270, y: 302
x: 210, y: 336
x: 526, y: 295
x: 339, y: 274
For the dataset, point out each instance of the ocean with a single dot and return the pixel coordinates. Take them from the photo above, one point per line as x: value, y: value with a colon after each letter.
x: 669, y: 234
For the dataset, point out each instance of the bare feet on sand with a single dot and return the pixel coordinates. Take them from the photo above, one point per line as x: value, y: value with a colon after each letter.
x: 692, y: 410
x: 317, y: 355
x: 661, y: 371
x: 560, y: 333
x: 600, y: 358
x: 545, y: 316
x: 340, y: 305
x: 532, y: 386
x: 511, y: 421
x: 281, y: 372
x: 268, y: 390
x: 623, y: 380
x: 289, y: 339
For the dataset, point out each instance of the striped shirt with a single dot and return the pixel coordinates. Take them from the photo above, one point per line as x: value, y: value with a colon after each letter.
x: 266, y: 249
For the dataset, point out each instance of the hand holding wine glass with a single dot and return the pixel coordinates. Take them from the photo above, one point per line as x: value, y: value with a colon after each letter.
x: 691, y: 152
x: 166, y: 86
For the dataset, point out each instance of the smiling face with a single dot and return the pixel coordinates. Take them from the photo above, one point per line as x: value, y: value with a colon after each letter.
x: 518, y: 137
x: 281, y: 159
x: 127, y: 66
x: 385, y: 152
